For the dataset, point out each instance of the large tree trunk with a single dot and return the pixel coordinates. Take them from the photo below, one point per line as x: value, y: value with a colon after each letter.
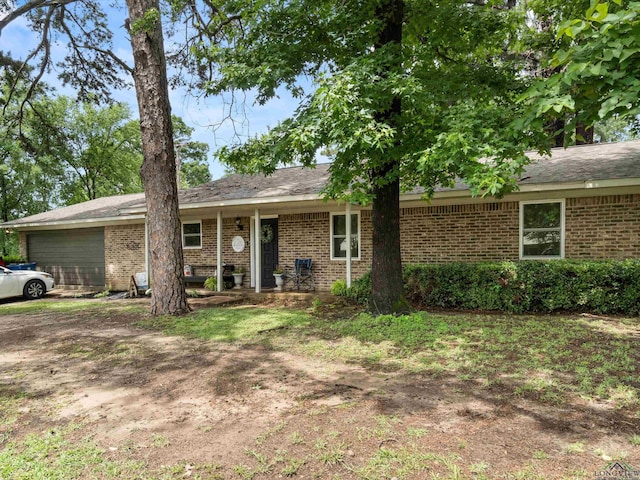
x: 158, y: 169
x: 387, y: 288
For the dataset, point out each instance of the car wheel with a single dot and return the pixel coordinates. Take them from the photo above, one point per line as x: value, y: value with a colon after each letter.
x: 34, y: 289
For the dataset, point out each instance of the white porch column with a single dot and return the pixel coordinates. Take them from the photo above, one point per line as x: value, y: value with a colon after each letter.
x: 348, y: 226
x: 257, y: 245
x: 147, y: 267
x: 219, y: 250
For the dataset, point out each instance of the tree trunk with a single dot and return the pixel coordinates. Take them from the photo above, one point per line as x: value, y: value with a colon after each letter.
x: 387, y: 288
x: 584, y: 135
x: 158, y: 169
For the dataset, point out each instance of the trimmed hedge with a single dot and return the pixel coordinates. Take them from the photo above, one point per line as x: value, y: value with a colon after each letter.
x: 519, y: 287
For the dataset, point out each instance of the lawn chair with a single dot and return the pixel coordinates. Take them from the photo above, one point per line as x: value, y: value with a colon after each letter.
x: 138, y: 284
x: 302, y: 276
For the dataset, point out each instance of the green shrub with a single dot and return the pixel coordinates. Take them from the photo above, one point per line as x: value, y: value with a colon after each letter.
x: 360, y: 289
x: 605, y: 287
x: 13, y: 259
x: 211, y: 283
x: 339, y: 287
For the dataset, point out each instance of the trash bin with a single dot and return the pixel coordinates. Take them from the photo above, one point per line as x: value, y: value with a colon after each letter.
x: 22, y: 266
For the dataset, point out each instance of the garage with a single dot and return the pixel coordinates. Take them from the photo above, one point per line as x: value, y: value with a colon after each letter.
x: 73, y: 257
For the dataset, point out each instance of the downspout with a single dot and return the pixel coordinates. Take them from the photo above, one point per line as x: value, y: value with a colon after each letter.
x: 219, y: 251
x: 348, y: 227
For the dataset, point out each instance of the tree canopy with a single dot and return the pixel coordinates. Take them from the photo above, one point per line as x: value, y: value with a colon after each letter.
x: 597, y: 72
x: 406, y: 94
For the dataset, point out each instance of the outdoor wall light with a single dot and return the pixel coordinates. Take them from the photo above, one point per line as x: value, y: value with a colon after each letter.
x: 238, y: 224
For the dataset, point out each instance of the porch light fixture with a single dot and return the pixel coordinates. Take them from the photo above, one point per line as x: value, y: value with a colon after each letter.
x: 238, y: 224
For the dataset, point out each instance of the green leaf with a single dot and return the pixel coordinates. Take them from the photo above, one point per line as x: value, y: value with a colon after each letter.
x: 598, y: 12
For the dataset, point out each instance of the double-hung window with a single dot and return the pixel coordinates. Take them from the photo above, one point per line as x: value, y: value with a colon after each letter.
x: 192, y: 235
x: 542, y: 229
x: 339, y: 243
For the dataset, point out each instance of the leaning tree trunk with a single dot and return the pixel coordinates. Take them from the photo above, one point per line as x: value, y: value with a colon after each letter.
x: 158, y: 169
x: 387, y: 288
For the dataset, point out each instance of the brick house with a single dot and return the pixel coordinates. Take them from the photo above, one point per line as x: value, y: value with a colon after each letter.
x: 583, y: 203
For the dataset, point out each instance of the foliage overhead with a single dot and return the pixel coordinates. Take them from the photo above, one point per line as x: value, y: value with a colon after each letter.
x: 99, y: 146
x: 192, y: 155
x: 598, y: 71
x: 89, y: 65
x: 456, y: 80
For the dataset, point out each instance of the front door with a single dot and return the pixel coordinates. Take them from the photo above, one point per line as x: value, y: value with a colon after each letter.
x: 269, y: 253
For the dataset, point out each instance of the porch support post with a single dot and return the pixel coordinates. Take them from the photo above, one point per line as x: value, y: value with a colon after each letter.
x: 219, y: 251
x: 146, y: 250
x: 348, y: 227
x: 258, y: 258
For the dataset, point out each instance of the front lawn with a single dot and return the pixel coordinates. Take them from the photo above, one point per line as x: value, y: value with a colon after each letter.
x: 98, y: 389
x: 546, y: 357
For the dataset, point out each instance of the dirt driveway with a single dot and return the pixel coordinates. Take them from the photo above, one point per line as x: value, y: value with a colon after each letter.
x: 218, y: 410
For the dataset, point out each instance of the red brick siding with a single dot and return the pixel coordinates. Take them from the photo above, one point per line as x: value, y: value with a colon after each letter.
x: 207, y: 255
x: 123, y: 254
x: 307, y: 235
x: 460, y: 233
x: 23, y: 245
x: 603, y: 227
x: 596, y: 228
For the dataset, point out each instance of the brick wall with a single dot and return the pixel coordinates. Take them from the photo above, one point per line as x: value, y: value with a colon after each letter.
x: 123, y: 254
x: 596, y: 228
x: 307, y: 235
x: 460, y: 233
x: 605, y: 227
x: 204, y: 259
x: 23, y: 245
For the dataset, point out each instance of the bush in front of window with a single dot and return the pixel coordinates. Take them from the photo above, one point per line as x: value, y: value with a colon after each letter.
x: 604, y: 287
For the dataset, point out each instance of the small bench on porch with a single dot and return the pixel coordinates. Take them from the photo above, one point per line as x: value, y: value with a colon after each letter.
x: 199, y: 273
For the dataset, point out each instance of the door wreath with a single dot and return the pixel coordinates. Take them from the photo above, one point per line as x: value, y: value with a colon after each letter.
x: 266, y: 234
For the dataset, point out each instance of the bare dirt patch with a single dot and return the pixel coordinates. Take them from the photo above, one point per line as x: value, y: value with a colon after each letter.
x: 228, y: 411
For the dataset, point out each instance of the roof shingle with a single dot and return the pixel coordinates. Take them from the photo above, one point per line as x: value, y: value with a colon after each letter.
x: 575, y: 164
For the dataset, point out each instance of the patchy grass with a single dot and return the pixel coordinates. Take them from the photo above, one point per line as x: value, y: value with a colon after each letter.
x: 546, y: 360
x: 43, y: 306
x: 50, y: 455
x: 542, y: 358
x: 229, y: 324
x: 95, y: 307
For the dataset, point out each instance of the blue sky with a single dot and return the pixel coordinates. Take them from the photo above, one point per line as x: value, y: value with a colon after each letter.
x: 200, y: 114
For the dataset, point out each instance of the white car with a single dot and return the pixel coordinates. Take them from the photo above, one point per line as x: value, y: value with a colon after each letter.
x: 28, y: 283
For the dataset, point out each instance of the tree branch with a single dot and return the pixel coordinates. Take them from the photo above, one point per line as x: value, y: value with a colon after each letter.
x: 29, y: 6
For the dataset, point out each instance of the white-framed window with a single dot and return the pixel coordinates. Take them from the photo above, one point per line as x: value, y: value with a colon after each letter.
x: 542, y: 229
x: 192, y: 234
x: 339, y: 236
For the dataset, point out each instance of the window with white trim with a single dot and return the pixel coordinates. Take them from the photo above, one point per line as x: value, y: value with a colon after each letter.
x: 339, y: 236
x: 542, y: 229
x: 192, y: 234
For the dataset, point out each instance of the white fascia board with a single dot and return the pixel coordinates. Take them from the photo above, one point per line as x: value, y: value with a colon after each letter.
x: 240, y: 202
x: 83, y: 223
x: 132, y: 215
x: 534, y: 188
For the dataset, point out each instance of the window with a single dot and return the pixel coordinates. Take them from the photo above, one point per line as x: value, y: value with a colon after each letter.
x: 542, y: 229
x: 192, y: 235
x: 339, y: 236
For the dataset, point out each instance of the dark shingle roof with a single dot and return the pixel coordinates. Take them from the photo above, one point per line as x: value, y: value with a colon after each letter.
x: 607, y: 161
x: 284, y: 182
x: 100, y: 208
x: 575, y: 164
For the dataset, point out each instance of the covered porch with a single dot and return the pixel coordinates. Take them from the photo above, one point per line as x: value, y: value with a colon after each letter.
x: 270, y: 236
